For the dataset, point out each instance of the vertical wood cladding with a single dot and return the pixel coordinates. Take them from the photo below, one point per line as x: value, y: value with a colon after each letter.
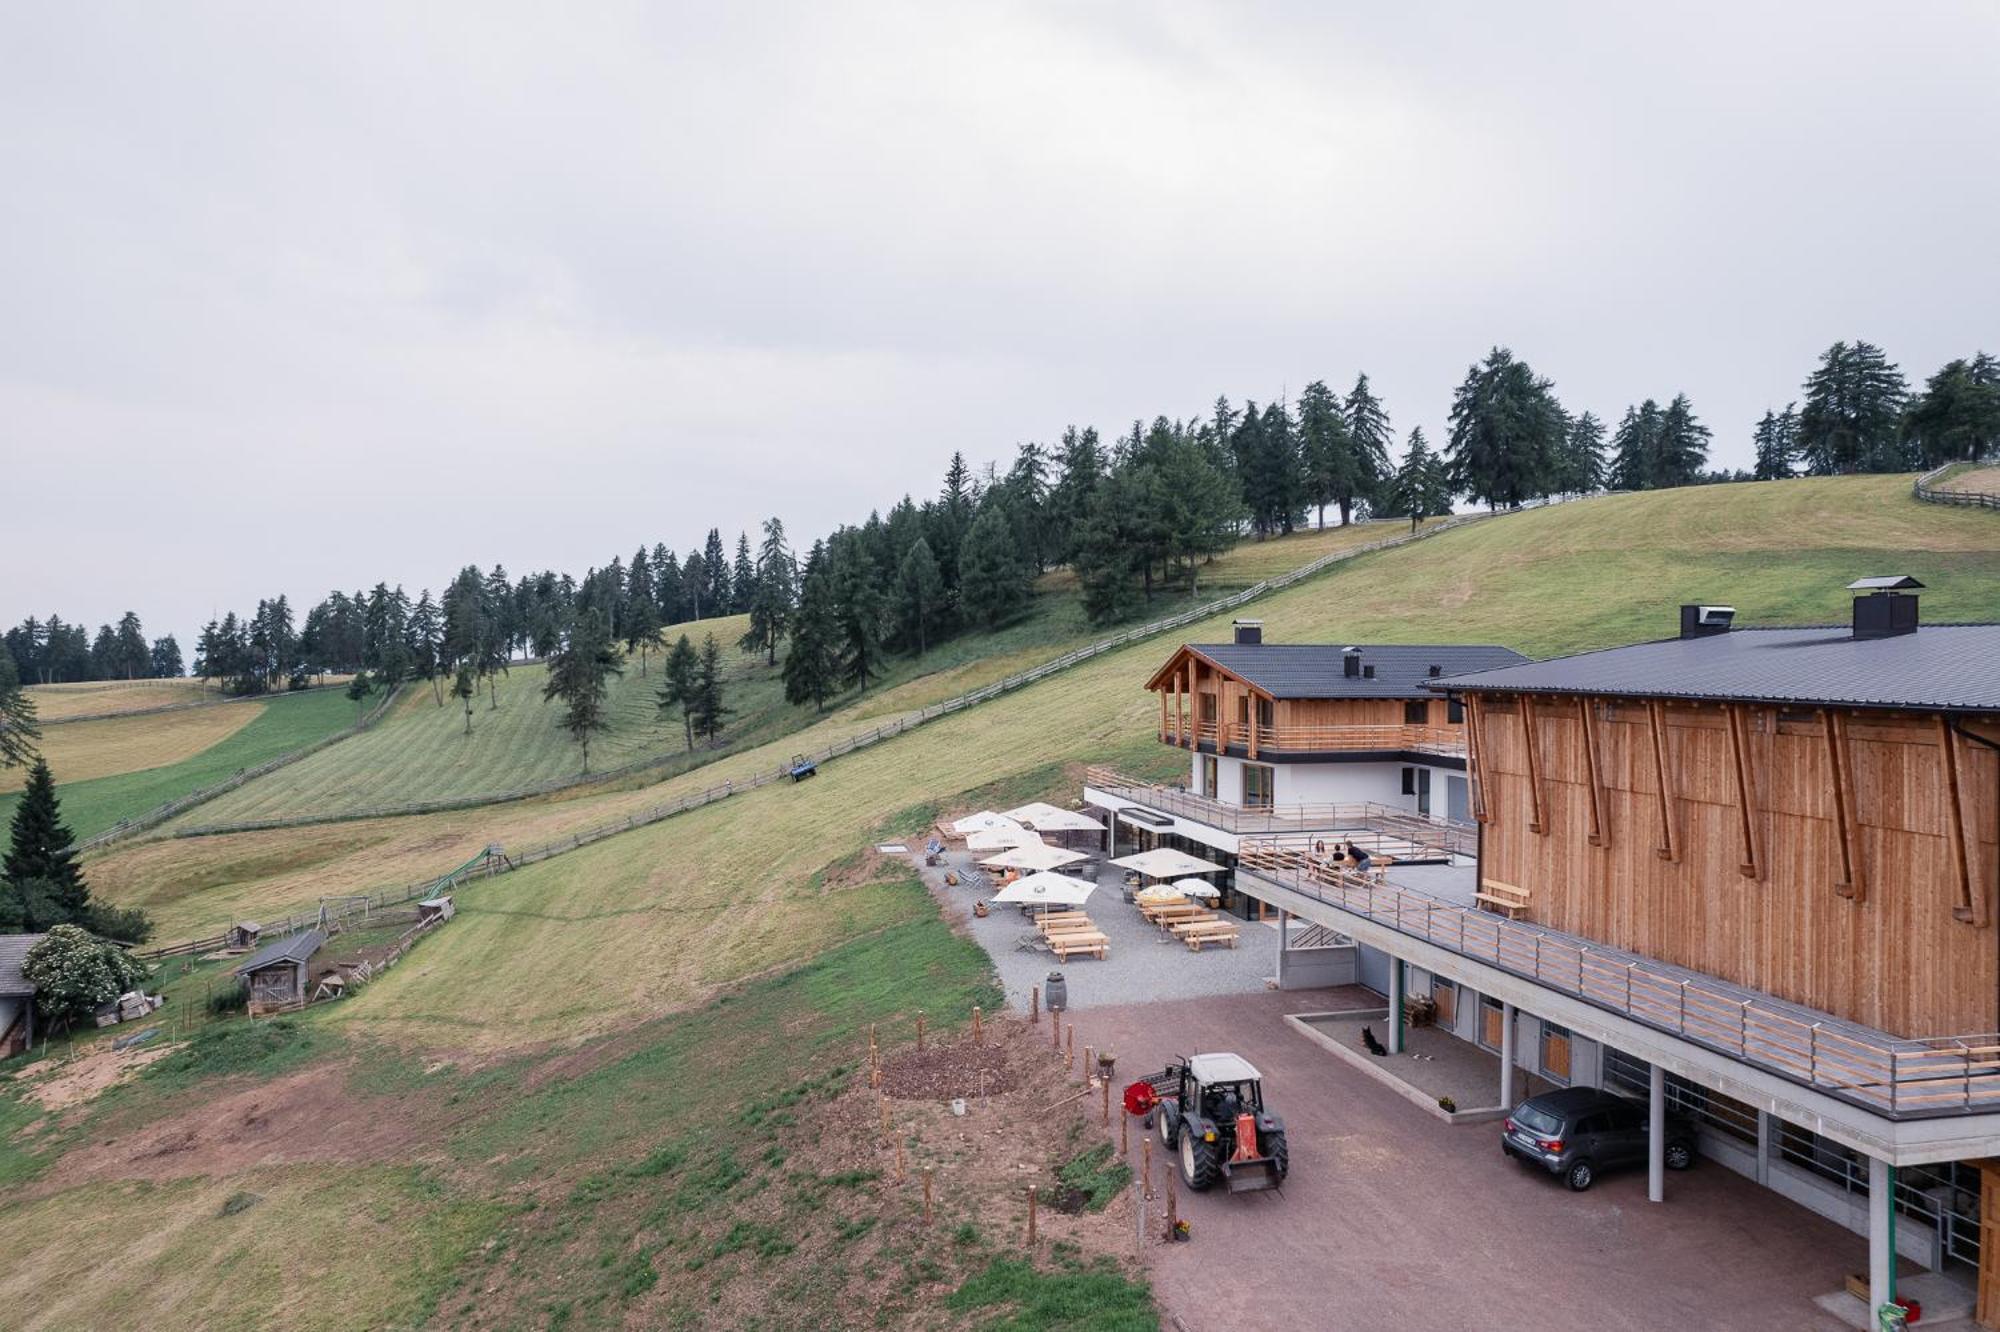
x: 1840, y: 801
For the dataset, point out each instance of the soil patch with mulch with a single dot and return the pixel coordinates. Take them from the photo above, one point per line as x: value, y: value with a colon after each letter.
x: 945, y: 1071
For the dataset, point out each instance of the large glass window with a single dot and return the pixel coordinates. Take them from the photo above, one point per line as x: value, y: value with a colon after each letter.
x: 1260, y: 786
x: 1416, y: 713
x: 1208, y: 777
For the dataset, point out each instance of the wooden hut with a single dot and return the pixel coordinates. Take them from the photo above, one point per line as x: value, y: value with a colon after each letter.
x: 276, y: 973
x: 243, y: 934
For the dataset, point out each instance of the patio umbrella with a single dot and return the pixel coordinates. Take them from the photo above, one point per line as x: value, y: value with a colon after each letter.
x: 1033, y: 856
x: 984, y: 821
x: 1165, y: 863
x: 1197, y: 888
x: 1044, y: 817
x: 1001, y: 839
x: 1047, y: 889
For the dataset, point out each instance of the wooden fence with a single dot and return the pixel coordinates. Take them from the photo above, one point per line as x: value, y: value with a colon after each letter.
x: 1930, y: 493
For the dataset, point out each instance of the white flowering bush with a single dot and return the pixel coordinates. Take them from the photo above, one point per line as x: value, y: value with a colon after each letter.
x: 73, y: 971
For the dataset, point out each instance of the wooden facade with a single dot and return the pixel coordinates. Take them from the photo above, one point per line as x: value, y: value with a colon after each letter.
x: 1840, y: 858
x: 1204, y: 705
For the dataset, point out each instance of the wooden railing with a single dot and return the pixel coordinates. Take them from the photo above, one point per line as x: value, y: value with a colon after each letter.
x: 1894, y: 1076
x: 1935, y: 494
x: 1296, y: 819
x: 1446, y: 741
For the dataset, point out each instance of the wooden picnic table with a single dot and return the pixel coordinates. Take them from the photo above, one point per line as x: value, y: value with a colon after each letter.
x: 1091, y: 943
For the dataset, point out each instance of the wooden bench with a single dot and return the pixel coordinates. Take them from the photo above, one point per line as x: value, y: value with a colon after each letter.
x: 1166, y: 915
x: 1216, y: 932
x: 1086, y: 925
x: 1057, y: 918
x: 1503, y: 898
x: 1090, y: 943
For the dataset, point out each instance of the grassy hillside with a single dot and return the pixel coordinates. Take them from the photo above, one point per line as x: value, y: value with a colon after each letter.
x: 80, y: 751
x: 276, y: 726
x: 421, y: 752
x: 55, y: 702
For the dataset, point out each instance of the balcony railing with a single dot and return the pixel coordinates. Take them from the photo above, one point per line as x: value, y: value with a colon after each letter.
x: 1900, y: 1077
x: 1444, y: 741
x: 1295, y: 819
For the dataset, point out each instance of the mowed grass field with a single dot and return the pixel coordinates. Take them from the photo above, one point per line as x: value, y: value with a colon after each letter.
x: 87, y: 699
x: 261, y: 731
x: 702, y: 899
x: 79, y: 751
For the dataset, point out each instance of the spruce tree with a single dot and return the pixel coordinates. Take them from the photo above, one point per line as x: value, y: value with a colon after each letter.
x: 679, y: 678
x: 18, y: 729
x: 1420, y: 490
x: 358, y: 690
x: 1582, y: 463
x: 919, y: 594
x: 135, y: 657
x: 580, y: 676
x: 1506, y: 432
x: 742, y: 577
x: 995, y: 580
x: 1635, y: 447
x: 166, y: 659
x: 1369, y: 433
x: 771, y: 606
x: 812, y: 659
x: 1328, y: 458
x: 41, y: 848
x: 715, y: 568
x: 1853, y: 412
x: 1957, y: 416
x: 858, y: 613
x: 710, y: 708
x: 1683, y: 450
x: 642, y: 611
x: 464, y: 688
x: 1776, y: 442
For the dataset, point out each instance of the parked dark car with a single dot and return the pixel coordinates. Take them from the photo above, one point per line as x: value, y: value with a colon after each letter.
x: 1577, y: 1131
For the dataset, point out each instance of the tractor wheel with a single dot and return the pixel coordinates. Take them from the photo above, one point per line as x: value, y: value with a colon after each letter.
x: 1274, y: 1147
x: 1198, y: 1163
x: 1164, y: 1124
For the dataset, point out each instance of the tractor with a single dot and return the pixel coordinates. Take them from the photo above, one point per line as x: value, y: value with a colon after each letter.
x: 1210, y: 1109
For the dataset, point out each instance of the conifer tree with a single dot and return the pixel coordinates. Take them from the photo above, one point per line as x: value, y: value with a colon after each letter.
x: 1635, y: 447
x: 465, y: 688
x: 1853, y: 412
x: 710, y: 708
x: 41, y: 850
x: 1506, y: 432
x: 1327, y: 453
x: 771, y: 606
x: 679, y: 679
x: 742, y: 577
x: 919, y: 593
x: 135, y: 657
x: 812, y: 662
x: 1957, y: 416
x: 166, y: 658
x: 1369, y: 431
x: 995, y: 580
x: 358, y: 690
x: 18, y: 728
x: 1777, y: 444
x: 1420, y: 489
x: 694, y: 586
x: 858, y: 613
x: 580, y: 677
x: 642, y: 609
x: 715, y: 568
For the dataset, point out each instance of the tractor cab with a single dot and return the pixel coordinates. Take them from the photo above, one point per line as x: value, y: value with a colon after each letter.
x: 1211, y: 1110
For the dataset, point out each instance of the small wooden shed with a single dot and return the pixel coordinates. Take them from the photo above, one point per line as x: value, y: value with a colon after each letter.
x: 276, y: 973
x: 435, y: 910
x: 243, y: 934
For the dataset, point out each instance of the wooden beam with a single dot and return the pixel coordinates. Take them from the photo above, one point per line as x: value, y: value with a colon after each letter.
x: 1746, y: 791
x: 1839, y: 772
x: 1971, y: 905
x: 1194, y: 701
x: 1475, y: 755
x: 1538, y: 814
x: 1165, y: 730
x: 1250, y: 706
x: 1592, y: 788
x: 1656, y: 718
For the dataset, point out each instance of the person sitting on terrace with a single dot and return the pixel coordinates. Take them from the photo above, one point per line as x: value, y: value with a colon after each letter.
x: 1357, y: 858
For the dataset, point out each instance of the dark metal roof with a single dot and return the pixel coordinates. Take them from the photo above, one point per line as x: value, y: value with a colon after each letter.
x: 1883, y: 583
x: 296, y: 948
x: 14, y: 951
x: 1313, y: 670
x: 1948, y: 667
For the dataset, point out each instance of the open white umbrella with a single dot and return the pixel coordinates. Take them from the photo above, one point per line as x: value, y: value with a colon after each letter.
x: 1001, y: 839
x: 1047, y: 889
x: 1044, y: 817
x: 1166, y: 863
x: 1034, y: 856
x: 1196, y: 888
x: 984, y: 821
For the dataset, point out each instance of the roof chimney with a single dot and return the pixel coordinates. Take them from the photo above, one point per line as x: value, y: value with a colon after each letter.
x: 1436, y: 670
x: 1368, y: 671
x: 1249, y: 632
x: 1883, y: 611
x: 1350, y: 663
x: 1701, y: 621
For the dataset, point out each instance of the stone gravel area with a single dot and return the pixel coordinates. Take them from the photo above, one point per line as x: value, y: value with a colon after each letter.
x: 1144, y: 964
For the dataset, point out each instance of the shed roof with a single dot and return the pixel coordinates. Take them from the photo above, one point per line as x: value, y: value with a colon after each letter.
x: 294, y: 948
x: 1940, y: 667
x: 14, y: 951
x: 1316, y: 670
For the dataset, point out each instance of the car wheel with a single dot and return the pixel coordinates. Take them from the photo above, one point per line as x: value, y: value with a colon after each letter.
x: 1580, y: 1176
x: 1680, y: 1155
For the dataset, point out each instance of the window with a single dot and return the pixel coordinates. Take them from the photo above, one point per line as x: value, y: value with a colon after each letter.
x: 1416, y: 712
x: 1267, y: 714
x: 1208, y: 780
x: 1454, y: 711
x: 1423, y: 791
x: 1555, y: 1052
x: 1207, y: 703
x: 1259, y: 786
x: 1409, y: 781
x: 1243, y: 710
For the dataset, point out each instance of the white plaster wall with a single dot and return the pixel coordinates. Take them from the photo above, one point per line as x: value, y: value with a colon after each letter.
x: 1340, y: 783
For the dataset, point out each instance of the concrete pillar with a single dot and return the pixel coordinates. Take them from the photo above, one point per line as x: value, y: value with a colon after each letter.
x: 1881, y: 1235
x: 1656, y: 1136
x: 1395, y: 1005
x: 1507, y: 1056
x: 1284, y: 943
x: 1767, y: 1145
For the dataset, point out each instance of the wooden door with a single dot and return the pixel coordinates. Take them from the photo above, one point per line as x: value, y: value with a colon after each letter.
x: 1490, y: 1025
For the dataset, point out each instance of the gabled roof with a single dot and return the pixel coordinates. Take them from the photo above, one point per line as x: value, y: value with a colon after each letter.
x: 1316, y: 670
x: 296, y: 948
x: 14, y: 951
x: 1940, y: 667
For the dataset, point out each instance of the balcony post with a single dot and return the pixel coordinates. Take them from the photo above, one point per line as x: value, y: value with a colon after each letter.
x: 1507, y: 1056
x: 1881, y: 1235
x: 1656, y: 1136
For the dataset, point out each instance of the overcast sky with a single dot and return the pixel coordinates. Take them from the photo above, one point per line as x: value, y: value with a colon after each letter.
x: 310, y: 296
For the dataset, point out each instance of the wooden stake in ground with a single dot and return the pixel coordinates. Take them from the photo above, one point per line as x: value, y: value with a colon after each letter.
x: 1107, y: 1102
x: 1031, y: 1216
x: 1034, y: 1005
x: 977, y: 1034
x: 1173, y: 1205
x: 927, y: 1195
x: 1055, y: 1031
x: 1146, y: 1165
x: 1086, y: 1066
x: 1070, y: 1056
x: 1124, y: 1137
x: 920, y: 1031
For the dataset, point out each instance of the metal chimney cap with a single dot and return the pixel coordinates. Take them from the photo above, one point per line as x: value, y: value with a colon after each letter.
x: 1884, y: 583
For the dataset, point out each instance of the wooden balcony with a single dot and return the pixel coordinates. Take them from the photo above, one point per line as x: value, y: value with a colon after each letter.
x: 1901, y: 1078
x: 1443, y: 741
